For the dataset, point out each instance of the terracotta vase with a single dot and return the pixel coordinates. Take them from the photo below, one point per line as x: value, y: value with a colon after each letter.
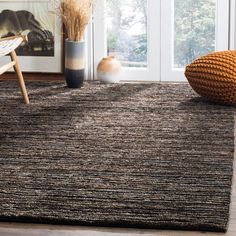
x: 109, y: 70
x: 74, y: 63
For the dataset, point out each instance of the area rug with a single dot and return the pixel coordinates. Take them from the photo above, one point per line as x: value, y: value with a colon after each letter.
x: 126, y: 155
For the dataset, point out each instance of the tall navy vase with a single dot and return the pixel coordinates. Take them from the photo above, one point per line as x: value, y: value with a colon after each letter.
x: 74, y: 63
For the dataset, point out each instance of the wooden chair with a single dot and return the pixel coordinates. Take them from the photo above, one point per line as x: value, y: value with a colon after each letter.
x: 8, y: 46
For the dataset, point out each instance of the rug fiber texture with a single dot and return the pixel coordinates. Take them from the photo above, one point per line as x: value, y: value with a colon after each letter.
x: 128, y: 155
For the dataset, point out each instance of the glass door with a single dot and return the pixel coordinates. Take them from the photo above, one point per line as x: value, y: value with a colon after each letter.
x: 156, y: 39
x: 130, y: 31
x: 190, y: 29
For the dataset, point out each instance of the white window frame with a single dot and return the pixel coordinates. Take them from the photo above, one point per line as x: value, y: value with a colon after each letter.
x: 232, y: 24
x: 159, y: 57
x: 168, y: 73
x: 151, y: 73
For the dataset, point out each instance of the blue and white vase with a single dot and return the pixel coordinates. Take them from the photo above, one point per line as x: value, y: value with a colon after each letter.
x: 74, y: 63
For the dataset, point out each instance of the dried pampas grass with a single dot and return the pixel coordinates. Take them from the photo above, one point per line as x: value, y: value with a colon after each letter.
x: 76, y: 15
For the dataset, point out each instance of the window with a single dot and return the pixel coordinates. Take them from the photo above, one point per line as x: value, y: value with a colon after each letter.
x: 127, y: 31
x: 156, y: 39
x: 194, y: 30
x: 191, y: 29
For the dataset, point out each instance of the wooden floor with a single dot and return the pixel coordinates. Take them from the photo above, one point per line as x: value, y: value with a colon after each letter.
x: 16, y: 229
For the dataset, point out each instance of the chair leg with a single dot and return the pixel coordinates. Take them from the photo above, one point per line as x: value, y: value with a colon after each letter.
x: 20, y: 77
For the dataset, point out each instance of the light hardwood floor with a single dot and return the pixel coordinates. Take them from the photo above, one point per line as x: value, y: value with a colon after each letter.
x: 16, y: 229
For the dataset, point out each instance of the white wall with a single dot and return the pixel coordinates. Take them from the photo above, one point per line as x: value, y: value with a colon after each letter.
x: 233, y: 24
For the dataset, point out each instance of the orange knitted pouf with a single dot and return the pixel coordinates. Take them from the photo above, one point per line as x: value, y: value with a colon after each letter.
x: 214, y: 76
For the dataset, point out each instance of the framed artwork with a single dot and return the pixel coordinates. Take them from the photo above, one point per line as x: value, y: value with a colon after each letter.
x: 36, y: 19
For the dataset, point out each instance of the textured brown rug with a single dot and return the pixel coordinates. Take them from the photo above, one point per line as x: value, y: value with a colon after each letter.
x: 133, y: 155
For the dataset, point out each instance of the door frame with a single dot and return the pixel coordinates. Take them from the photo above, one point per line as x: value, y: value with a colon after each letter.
x: 154, y: 28
x: 170, y: 74
x: 232, y: 31
x: 97, y: 42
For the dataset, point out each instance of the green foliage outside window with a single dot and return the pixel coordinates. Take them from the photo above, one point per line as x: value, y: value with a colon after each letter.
x: 194, y: 30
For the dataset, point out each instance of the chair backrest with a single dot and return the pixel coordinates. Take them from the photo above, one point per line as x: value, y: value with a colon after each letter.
x: 9, y: 44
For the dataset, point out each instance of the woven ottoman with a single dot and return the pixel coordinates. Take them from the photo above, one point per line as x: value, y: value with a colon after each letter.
x: 214, y: 76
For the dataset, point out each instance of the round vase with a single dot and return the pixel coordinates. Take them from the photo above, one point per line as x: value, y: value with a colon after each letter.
x: 109, y: 70
x: 74, y: 63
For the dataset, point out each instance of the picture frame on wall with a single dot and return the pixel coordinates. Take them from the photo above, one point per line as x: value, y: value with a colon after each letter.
x: 37, y: 19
